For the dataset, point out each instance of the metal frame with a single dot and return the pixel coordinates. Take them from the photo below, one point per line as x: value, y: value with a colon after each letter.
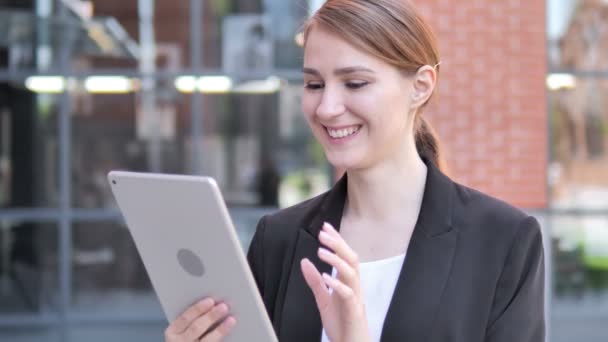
x: 196, y: 63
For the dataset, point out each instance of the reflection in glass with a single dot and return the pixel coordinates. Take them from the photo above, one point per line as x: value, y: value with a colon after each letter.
x: 38, y: 38
x: 108, y: 275
x: 580, y: 278
x: 245, y: 221
x: 111, y: 131
x: 170, y: 25
x: 28, y: 147
x: 28, y: 267
x: 579, y: 147
x: 29, y: 334
x: 578, y: 34
x: 249, y: 43
x: 231, y: 26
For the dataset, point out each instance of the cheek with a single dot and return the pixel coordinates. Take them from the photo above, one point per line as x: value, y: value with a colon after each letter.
x: 366, y: 106
x: 385, y: 113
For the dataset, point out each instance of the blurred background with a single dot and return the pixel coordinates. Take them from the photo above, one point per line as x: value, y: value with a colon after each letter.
x: 213, y: 87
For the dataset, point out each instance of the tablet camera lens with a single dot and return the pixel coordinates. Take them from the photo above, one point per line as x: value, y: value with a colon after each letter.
x: 190, y: 262
x: 113, y: 182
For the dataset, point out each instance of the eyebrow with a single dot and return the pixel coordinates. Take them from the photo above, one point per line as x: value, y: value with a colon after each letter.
x: 339, y: 71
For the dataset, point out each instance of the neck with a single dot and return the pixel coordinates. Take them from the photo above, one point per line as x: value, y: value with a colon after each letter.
x: 392, y: 189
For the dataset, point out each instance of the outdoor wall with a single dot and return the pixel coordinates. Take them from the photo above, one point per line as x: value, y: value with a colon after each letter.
x: 490, y: 112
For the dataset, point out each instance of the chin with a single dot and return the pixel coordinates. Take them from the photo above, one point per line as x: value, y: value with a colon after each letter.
x: 344, y: 161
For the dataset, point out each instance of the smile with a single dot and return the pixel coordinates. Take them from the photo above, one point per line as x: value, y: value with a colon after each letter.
x: 342, y: 133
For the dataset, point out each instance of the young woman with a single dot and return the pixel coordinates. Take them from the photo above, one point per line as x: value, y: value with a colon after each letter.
x: 395, y: 251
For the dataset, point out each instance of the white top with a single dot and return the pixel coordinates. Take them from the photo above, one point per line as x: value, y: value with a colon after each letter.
x: 378, y: 281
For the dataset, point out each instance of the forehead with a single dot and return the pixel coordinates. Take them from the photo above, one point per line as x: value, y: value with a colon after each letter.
x: 325, y: 49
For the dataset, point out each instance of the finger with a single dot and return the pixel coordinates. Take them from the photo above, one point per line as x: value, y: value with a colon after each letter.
x: 345, y: 271
x: 181, y: 323
x: 332, y: 239
x: 202, y: 324
x: 315, y: 282
x: 221, y: 331
x: 345, y: 292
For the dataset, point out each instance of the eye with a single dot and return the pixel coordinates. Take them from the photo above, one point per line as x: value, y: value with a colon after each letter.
x: 313, y: 85
x: 356, y: 85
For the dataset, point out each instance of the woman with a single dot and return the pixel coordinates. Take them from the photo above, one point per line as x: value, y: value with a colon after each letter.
x: 395, y: 251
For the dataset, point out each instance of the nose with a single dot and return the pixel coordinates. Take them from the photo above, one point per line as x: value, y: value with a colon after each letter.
x: 331, y: 105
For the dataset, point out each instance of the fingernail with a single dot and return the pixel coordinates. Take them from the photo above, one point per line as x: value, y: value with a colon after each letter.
x: 326, y: 276
x: 207, y: 301
x: 329, y: 227
x: 324, y: 236
x: 324, y: 251
x: 230, y: 322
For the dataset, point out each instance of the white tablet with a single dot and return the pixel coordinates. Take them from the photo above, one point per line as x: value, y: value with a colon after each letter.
x: 189, y: 247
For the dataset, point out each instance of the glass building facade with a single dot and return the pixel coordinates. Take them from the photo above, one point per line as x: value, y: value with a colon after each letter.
x: 577, y: 35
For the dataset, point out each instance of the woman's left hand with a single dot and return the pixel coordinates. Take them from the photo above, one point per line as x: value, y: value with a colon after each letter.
x: 342, y: 311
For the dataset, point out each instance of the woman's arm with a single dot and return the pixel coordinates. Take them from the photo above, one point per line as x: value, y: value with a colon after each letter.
x: 518, y: 309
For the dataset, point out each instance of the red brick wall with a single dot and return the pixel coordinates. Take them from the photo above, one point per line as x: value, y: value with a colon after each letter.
x: 490, y: 112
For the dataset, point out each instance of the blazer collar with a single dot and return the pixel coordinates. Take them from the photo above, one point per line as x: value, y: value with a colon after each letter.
x: 423, y: 275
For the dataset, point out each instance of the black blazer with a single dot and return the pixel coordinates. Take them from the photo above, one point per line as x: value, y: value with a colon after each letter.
x: 474, y: 268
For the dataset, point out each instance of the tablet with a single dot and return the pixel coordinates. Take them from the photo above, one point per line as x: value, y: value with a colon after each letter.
x: 189, y: 247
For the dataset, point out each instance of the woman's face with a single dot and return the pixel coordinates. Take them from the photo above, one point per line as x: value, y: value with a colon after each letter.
x: 357, y: 105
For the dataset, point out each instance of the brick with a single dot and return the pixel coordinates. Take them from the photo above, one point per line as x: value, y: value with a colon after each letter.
x: 491, y: 115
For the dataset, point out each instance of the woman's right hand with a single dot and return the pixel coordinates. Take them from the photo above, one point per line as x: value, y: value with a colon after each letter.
x: 195, y: 323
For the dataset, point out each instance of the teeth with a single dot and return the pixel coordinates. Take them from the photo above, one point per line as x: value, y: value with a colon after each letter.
x: 341, y: 133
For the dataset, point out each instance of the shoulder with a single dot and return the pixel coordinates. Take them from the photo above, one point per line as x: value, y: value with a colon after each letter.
x: 498, y: 242
x: 483, y: 215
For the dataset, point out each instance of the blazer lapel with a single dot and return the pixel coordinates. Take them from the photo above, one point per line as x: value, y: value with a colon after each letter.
x: 423, y: 275
x: 300, y: 318
x: 427, y: 264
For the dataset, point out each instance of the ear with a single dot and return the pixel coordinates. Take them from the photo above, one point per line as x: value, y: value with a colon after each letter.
x: 424, y: 84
